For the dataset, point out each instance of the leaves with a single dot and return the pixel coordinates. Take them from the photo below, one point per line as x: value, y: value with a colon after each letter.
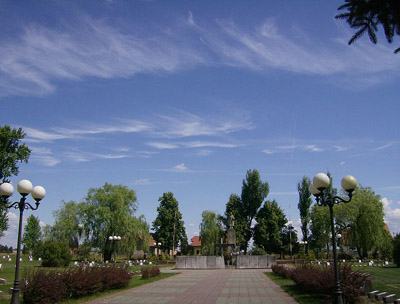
x: 366, y: 15
x: 169, y: 227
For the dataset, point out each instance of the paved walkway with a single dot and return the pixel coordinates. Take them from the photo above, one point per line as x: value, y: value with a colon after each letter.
x: 221, y: 286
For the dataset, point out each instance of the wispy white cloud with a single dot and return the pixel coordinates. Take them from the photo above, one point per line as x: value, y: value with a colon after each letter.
x: 185, y: 124
x: 85, y: 48
x: 162, y: 145
x: 142, y: 181
x: 82, y: 156
x: 383, y: 147
x: 392, y: 215
x: 57, y: 133
x: 43, y: 156
x: 31, y: 63
x: 204, y: 152
x: 180, y: 167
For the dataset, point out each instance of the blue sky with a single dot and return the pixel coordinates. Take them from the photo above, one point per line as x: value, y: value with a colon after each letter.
x: 186, y: 96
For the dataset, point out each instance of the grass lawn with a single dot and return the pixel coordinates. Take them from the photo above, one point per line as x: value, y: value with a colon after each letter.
x: 8, y: 272
x: 383, y: 278
x: 291, y: 288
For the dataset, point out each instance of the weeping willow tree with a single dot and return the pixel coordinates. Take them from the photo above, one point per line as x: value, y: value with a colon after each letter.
x: 211, y: 232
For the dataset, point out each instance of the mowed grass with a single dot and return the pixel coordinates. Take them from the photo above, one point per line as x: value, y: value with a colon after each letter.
x: 8, y: 273
x: 383, y: 278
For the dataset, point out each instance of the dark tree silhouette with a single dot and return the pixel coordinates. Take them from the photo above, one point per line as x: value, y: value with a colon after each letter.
x: 366, y: 15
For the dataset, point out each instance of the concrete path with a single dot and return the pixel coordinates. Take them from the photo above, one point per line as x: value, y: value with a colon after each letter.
x: 206, y: 287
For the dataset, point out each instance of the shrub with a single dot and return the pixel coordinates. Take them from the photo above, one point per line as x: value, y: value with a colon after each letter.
x: 149, y: 272
x: 321, y: 280
x: 396, y: 250
x: 43, y: 286
x: 55, y: 255
x: 283, y: 271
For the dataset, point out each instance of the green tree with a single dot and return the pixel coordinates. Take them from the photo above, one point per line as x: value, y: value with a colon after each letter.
x: 233, y: 207
x: 12, y: 152
x: 364, y: 217
x: 305, y: 202
x: 366, y: 15
x: 254, y: 191
x: 32, y: 235
x: 320, y: 229
x: 268, y: 230
x: 105, y: 212
x: 137, y: 235
x: 396, y: 250
x: 211, y: 232
x: 168, y: 227
x: 66, y: 228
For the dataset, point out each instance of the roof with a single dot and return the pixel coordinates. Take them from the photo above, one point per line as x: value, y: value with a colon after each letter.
x: 195, y: 241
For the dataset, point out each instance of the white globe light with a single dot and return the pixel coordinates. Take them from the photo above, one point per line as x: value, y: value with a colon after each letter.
x: 110, y: 238
x: 313, y: 190
x: 38, y: 193
x: 24, y: 187
x: 321, y: 181
x: 118, y: 238
x: 349, y: 183
x: 6, y: 189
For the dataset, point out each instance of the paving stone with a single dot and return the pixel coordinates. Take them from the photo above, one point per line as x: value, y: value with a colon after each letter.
x: 220, y: 286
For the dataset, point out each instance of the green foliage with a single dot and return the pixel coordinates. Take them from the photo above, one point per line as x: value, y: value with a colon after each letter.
x: 305, y: 202
x: 245, y: 209
x: 364, y: 217
x: 137, y: 235
x: 270, y: 222
x: 12, y: 152
x: 366, y: 15
x: 233, y: 207
x: 168, y: 225
x: 396, y: 250
x: 32, y: 235
x: 107, y: 211
x: 55, y: 255
x: 66, y: 227
x: 211, y: 232
x: 258, y: 251
x: 320, y: 229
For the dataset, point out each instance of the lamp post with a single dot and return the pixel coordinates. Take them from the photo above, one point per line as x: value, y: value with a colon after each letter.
x: 303, y: 243
x: 114, y: 239
x: 324, y: 197
x: 24, y: 187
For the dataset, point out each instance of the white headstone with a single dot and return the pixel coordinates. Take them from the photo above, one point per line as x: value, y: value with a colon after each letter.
x: 327, y: 263
x: 386, y: 263
x: 9, y: 259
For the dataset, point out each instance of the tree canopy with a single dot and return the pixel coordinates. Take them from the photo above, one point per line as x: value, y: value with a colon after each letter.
x: 211, y: 232
x: 168, y: 226
x: 363, y: 219
x: 305, y: 202
x: 245, y: 208
x: 366, y: 15
x: 32, y: 235
x: 12, y: 152
x: 268, y: 230
x: 105, y: 212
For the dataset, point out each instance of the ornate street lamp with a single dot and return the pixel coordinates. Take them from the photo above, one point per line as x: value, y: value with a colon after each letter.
x: 114, y: 239
x: 319, y: 188
x: 24, y: 187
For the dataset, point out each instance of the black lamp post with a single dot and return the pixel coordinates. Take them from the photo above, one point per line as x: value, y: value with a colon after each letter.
x: 324, y: 197
x: 114, y: 239
x: 24, y: 188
